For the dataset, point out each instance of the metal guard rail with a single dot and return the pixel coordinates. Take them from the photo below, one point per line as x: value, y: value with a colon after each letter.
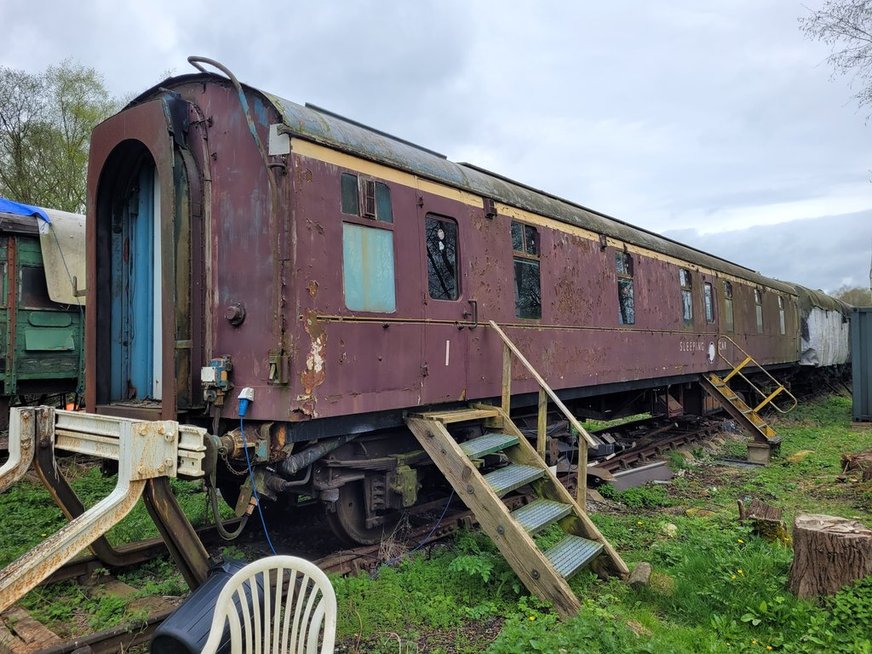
x: 737, y: 370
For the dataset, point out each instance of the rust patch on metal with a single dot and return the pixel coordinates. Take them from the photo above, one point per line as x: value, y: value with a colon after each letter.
x: 312, y: 287
x: 314, y: 374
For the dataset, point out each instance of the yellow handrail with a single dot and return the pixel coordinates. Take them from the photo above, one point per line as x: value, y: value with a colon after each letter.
x: 767, y: 397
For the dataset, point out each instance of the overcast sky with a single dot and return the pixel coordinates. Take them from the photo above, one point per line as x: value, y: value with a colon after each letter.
x: 714, y: 122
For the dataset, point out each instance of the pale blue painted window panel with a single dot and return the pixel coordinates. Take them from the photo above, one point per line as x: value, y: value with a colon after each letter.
x: 368, y: 268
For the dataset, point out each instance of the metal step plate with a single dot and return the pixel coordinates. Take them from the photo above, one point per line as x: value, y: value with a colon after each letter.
x: 511, y: 477
x: 540, y: 513
x: 572, y: 553
x: 475, y: 448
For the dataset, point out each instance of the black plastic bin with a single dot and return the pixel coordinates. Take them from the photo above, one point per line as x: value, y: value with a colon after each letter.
x: 186, y: 629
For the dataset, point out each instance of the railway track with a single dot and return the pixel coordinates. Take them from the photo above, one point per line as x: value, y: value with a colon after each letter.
x: 434, y: 528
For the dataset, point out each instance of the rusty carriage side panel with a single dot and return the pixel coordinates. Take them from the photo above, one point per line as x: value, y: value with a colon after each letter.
x: 221, y: 219
x: 422, y: 351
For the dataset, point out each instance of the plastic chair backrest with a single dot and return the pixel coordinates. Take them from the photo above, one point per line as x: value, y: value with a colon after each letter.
x: 276, y: 605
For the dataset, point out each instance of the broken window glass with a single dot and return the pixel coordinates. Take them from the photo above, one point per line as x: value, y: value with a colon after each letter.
x: 441, y: 242
x: 758, y: 301
x: 626, y: 304
x: 528, y: 302
x: 685, y: 281
x: 781, y: 315
x: 525, y: 243
x: 708, y: 302
x: 728, y: 306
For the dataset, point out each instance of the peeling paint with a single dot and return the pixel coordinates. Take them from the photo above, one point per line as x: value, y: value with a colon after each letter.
x: 314, y: 373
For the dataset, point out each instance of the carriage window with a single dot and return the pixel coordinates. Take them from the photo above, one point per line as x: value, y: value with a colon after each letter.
x: 33, y: 291
x: 709, y: 302
x: 685, y: 281
x: 383, y: 210
x: 728, y: 306
x: 441, y: 241
x: 525, y: 244
x: 368, y: 268
x: 376, y: 198
x: 350, y: 201
x: 624, y: 270
x: 781, y: 315
x: 758, y: 301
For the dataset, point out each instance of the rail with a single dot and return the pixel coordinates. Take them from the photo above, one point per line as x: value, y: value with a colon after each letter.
x: 545, y: 392
x: 748, y: 360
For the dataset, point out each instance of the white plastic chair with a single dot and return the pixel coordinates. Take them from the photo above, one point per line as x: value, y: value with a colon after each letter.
x: 287, y: 612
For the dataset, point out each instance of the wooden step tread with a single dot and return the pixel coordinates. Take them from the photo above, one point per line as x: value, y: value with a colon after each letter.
x: 511, y: 477
x: 572, y: 553
x: 475, y: 448
x: 540, y: 513
x: 459, y: 415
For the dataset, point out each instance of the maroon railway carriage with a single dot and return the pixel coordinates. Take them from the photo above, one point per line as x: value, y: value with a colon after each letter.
x: 346, y: 276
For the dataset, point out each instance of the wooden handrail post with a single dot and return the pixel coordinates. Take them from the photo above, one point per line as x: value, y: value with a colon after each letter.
x: 542, y: 422
x: 507, y: 380
x: 581, y: 481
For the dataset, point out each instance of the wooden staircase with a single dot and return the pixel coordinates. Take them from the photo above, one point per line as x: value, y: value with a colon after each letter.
x: 544, y: 573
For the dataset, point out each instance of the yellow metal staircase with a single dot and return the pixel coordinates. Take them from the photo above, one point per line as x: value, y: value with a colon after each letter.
x: 544, y: 573
x: 748, y: 416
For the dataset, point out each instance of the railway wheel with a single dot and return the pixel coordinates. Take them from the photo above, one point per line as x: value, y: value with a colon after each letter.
x: 348, y: 521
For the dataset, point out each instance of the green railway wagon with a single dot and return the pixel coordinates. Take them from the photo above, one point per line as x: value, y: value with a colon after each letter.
x: 41, y: 304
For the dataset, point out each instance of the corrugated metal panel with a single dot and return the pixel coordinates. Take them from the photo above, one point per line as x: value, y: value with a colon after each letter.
x: 861, y: 362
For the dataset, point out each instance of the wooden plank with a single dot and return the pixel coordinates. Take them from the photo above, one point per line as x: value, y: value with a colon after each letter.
x: 22, y: 634
x: 551, y: 488
x: 542, y: 423
x: 459, y: 415
x: 514, y: 543
x: 506, y: 402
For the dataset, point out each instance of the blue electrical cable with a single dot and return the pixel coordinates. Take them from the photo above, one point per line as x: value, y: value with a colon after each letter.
x: 242, y: 411
x: 427, y: 537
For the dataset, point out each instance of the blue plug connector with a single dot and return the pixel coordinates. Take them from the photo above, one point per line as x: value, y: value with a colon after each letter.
x: 246, y: 397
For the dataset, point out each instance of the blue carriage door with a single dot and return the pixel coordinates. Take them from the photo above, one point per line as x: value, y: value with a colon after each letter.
x: 136, y: 335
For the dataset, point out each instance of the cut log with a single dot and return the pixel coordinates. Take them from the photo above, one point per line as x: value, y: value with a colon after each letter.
x: 828, y: 554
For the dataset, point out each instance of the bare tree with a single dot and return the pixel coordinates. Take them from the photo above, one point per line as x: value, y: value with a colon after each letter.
x: 846, y: 26
x: 45, y: 126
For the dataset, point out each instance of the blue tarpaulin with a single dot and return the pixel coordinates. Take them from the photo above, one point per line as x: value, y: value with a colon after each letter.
x: 19, y: 209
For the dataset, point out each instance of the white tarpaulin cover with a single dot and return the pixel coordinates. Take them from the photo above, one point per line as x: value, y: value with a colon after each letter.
x: 63, y: 254
x: 828, y: 341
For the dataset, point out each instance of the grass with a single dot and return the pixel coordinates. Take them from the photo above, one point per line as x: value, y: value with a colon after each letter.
x: 716, y: 587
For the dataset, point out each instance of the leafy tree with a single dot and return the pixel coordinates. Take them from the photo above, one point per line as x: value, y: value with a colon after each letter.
x: 858, y: 297
x: 846, y: 26
x: 45, y: 127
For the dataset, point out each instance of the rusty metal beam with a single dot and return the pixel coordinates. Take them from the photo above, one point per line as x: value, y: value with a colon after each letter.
x: 21, y: 447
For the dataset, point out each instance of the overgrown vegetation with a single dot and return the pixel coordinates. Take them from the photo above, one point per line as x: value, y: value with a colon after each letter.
x: 716, y: 587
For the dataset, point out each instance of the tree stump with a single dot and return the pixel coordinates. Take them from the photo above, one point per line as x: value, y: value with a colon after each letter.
x: 828, y: 554
x: 765, y: 521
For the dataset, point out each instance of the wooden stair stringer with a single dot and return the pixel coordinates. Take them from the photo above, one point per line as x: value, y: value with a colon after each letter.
x: 514, y: 543
x: 551, y: 488
x: 731, y: 405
